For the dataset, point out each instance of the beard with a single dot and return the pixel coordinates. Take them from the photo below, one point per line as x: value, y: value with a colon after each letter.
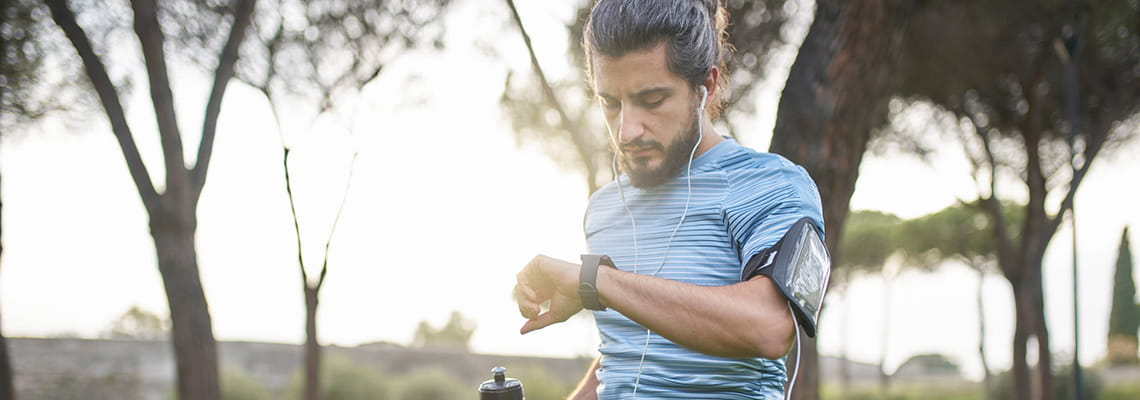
x: 677, y: 154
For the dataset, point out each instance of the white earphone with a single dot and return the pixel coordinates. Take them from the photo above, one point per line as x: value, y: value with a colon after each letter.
x: 704, y: 96
x: 669, y: 243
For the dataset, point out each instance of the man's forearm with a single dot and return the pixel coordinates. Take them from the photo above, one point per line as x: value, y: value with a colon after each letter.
x: 588, y: 388
x: 748, y: 319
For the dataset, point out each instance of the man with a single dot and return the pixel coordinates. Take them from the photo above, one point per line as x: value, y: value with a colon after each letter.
x: 691, y: 210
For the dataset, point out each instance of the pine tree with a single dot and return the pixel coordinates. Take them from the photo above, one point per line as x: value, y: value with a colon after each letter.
x: 1124, y: 320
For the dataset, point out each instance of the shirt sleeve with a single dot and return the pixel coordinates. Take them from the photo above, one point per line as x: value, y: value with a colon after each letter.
x: 763, y: 203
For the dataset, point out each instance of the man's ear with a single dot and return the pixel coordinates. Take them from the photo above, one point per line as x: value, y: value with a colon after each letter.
x: 710, y: 83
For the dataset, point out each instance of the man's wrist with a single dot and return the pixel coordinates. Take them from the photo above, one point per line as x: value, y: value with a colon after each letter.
x: 588, y: 281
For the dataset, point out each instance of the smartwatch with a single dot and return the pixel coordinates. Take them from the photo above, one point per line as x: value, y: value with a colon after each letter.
x: 588, y: 281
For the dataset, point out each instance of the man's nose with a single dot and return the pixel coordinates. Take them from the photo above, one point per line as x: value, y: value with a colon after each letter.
x: 631, y: 125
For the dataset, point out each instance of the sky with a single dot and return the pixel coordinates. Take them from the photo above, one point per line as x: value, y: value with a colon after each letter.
x: 444, y: 208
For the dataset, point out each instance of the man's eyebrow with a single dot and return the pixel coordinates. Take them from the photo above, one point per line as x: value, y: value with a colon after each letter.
x: 640, y: 94
x: 652, y: 91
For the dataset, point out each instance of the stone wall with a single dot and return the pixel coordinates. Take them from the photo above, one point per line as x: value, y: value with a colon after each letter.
x: 87, y: 369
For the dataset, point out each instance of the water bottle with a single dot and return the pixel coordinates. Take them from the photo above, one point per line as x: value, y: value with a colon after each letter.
x: 501, y: 387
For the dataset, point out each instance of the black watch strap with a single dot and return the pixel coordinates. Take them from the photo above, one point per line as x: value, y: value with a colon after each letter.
x: 588, y: 281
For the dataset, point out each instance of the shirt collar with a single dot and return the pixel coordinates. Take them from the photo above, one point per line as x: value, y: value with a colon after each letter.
x: 714, y: 153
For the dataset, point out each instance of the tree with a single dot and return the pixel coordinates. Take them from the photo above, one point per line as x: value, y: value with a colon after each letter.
x: 312, y: 288
x: 172, y: 210
x: 1008, y: 61
x: 316, y: 60
x: 456, y: 334
x: 835, y: 96
x: 870, y: 239
x: 1124, y: 319
x: 27, y: 95
x: 7, y: 389
x: 960, y: 232
x: 138, y: 324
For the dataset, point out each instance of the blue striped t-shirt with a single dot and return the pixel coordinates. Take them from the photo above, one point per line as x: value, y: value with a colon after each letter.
x: 742, y: 202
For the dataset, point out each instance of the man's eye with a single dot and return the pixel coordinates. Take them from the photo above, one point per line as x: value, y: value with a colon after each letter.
x: 609, y: 104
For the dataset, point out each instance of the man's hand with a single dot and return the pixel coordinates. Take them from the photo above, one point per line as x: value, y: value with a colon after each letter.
x: 547, y: 279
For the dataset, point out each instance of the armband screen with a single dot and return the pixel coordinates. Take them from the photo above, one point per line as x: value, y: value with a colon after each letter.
x: 800, y: 266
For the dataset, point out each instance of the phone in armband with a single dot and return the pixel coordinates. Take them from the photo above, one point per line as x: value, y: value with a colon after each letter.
x: 800, y: 266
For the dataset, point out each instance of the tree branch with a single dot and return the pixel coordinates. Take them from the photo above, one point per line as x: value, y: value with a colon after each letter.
x: 225, y: 70
x: 1093, y: 148
x: 336, y: 220
x: 150, y: 40
x: 576, y: 134
x: 109, y: 98
x: 992, y: 206
x: 293, y: 210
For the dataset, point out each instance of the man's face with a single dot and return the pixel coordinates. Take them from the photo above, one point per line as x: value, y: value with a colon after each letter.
x: 650, y: 112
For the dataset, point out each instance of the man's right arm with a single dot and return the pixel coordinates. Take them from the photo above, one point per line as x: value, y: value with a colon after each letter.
x: 588, y: 388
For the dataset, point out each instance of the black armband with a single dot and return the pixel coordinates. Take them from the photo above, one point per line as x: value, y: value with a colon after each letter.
x: 800, y: 266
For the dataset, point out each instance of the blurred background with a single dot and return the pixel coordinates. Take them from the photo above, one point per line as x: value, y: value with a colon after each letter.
x: 402, y: 160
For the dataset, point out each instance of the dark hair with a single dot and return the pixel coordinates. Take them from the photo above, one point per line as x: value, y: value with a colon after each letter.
x: 695, y: 30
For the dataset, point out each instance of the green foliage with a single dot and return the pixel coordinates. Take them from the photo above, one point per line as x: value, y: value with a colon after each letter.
x: 540, y: 384
x: 237, y: 385
x: 1091, y: 384
x: 961, y: 231
x: 930, y: 363
x: 432, y: 384
x: 32, y: 70
x: 343, y: 379
x: 963, y: 390
x: 869, y: 238
x: 1128, y: 391
x: 455, y: 334
x: 1125, y: 316
x: 79, y: 385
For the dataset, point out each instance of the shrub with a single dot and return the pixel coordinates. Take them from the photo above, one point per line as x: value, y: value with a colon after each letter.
x: 540, y: 384
x: 1130, y: 391
x: 77, y: 385
x: 433, y: 384
x: 237, y: 385
x: 344, y: 379
x: 1091, y: 385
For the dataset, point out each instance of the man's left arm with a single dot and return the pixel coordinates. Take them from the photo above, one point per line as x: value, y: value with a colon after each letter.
x: 747, y: 319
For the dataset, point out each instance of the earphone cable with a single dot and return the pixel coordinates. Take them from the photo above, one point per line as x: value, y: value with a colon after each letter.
x: 668, y: 243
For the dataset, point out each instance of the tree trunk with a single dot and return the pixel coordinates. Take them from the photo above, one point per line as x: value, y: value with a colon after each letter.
x: 834, y: 96
x: 1020, y: 369
x: 987, y: 379
x: 172, y: 214
x: 1028, y: 298
x: 844, y: 367
x: 7, y: 389
x: 884, y: 377
x: 192, y: 333
x: 1041, y: 331
x: 312, y: 348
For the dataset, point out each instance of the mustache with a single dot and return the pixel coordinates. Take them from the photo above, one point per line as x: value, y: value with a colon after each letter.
x: 640, y: 143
